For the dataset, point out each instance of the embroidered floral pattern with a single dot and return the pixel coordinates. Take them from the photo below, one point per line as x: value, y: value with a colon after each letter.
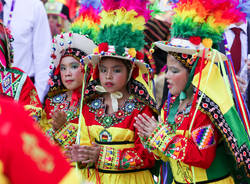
x: 130, y: 160
x: 108, y: 120
x: 61, y: 103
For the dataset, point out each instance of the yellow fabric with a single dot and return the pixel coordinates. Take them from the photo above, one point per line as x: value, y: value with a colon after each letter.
x: 228, y: 180
x: 216, y: 88
x: 118, y: 134
x: 3, y: 179
x: 71, y: 177
x: 147, y: 86
x: 181, y: 171
x: 131, y: 178
x: 86, y: 139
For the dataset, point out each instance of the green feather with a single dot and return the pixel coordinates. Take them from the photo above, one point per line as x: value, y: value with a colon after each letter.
x: 121, y: 36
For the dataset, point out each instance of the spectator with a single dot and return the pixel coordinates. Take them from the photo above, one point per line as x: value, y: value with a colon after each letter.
x: 58, y: 15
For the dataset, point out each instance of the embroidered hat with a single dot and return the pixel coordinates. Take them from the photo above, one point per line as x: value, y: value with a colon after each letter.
x: 121, y: 31
x: 76, y: 43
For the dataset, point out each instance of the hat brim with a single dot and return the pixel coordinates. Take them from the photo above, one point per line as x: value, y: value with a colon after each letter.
x: 189, y: 51
x: 80, y: 42
x: 94, y: 59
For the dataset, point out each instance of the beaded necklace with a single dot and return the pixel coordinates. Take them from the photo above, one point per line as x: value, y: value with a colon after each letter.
x: 11, y: 13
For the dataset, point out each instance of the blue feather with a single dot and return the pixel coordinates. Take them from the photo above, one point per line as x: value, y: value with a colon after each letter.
x: 96, y: 4
x: 244, y: 6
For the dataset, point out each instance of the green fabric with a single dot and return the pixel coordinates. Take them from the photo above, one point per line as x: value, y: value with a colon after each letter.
x: 220, y: 166
x: 236, y: 125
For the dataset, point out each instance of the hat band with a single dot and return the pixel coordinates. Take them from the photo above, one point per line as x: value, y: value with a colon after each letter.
x: 180, y: 42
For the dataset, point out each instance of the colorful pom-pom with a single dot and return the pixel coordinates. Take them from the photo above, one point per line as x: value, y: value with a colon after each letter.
x: 196, y: 40
x: 207, y: 42
x: 139, y: 55
x: 103, y: 47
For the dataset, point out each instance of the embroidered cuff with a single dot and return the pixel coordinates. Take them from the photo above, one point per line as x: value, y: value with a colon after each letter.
x: 66, y: 135
x: 177, y: 148
x: 158, y: 138
x: 50, y: 134
x: 168, y: 143
x: 108, y: 158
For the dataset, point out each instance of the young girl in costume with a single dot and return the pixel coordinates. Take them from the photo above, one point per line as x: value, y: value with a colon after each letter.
x: 110, y: 149
x: 201, y: 129
x: 63, y: 103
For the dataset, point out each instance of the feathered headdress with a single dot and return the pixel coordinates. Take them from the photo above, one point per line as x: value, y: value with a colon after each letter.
x: 88, y: 20
x: 121, y: 36
x: 199, y: 24
x: 197, y: 29
x: 121, y: 29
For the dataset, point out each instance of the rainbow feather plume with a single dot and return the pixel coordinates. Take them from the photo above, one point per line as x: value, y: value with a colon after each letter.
x: 122, y: 22
x: 87, y: 23
x: 205, y: 19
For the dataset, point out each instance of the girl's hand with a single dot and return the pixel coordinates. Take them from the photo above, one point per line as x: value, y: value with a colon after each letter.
x: 59, y: 118
x: 83, y: 154
x: 145, y: 125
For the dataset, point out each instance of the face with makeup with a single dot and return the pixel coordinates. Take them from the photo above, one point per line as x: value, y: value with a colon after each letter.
x: 177, y: 76
x: 71, y: 73
x: 113, y: 74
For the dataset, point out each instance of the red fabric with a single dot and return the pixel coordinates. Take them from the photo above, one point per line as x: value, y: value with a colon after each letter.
x: 193, y: 155
x: 236, y: 49
x: 25, y: 152
x: 76, y: 96
x: 72, y: 5
x: 29, y: 94
x: 127, y: 123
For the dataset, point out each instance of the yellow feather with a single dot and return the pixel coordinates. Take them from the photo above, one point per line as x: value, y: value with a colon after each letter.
x: 121, y: 16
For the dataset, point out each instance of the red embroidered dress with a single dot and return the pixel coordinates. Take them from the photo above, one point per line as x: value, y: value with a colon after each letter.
x: 17, y: 85
x: 66, y: 135
x: 122, y: 157
x: 202, y: 149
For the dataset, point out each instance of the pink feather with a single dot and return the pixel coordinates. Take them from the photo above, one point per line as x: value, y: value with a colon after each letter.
x: 140, y: 6
x: 110, y: 4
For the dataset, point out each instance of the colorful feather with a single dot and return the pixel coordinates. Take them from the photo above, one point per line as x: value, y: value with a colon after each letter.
x: 206, y: 19
x: 244, y: 6
x: 87, y: 23
x: 122, y: 22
